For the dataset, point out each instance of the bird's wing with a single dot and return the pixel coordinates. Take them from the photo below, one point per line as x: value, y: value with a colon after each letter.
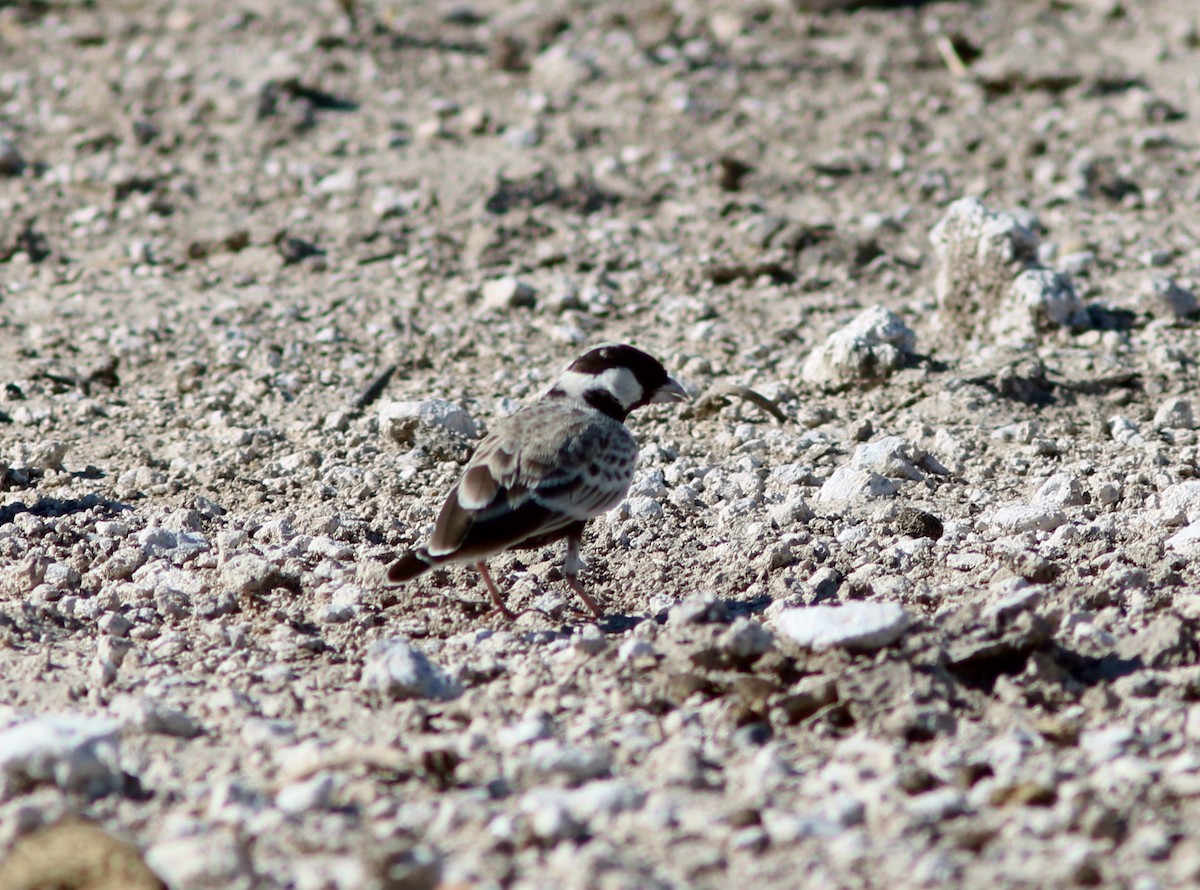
x: 536, y: 474
x: 590, y: 476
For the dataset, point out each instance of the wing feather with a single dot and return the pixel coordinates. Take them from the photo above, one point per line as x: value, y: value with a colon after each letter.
x: 539, y: 472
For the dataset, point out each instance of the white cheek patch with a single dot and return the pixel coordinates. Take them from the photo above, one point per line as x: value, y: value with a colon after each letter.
x: 620, y: 382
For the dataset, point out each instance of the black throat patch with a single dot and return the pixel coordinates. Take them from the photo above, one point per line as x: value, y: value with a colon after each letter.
x: 600, y: 399
x: 604, y: 402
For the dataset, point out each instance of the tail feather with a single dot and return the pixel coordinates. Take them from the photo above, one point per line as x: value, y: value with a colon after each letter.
x: 409, y: 566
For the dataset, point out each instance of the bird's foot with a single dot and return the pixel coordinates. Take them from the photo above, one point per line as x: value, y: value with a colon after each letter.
x: 588, y: 601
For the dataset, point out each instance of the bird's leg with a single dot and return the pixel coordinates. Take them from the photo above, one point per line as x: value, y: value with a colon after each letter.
x: 571, y: 566
x: 497, y: 599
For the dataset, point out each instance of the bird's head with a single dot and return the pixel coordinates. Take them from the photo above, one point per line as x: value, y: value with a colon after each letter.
x: 616, y: 379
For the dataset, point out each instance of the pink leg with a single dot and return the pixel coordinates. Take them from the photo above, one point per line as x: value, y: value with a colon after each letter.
x: 497, y: 599
x: 587, y: 598
x: 571, y: 566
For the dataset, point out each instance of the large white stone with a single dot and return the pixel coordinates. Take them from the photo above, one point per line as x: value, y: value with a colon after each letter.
x: 891, y: 456
x: 216, y: 857
x: 1175, y: 414
x: 1028, y: 517
x: 74, y: 752
x: 979, y: 251
x: 142, y: 713
x: 1180, y: 502
x: 507, y: 293
x: 868, y: 349
x: 560, y: 71
x: 1060, y: 490
x: 861, y: 626
x: 1186, y: 540
x: 396, y: 669
x: 988, y: 276
x: 1041, y: 298
x: 401, y: 420
x: 852, y: 484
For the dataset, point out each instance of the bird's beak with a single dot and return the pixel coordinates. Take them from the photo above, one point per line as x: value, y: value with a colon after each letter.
x: 671, y: 391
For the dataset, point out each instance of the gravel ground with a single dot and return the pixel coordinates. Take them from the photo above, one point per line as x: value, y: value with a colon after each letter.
x: 906, y: 596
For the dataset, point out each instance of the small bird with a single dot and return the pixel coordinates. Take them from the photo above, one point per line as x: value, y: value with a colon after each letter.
x: 546, y: 470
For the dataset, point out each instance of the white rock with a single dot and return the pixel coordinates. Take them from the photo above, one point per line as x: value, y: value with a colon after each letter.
x: 1039, y: 299
x: 557, y: 813
x: 108, y: 660
x: 844, y: 808
x: 389, y: 202
x: 1186, y: 541
x: 114, y: 624
x: 762, y: 776
x: 344, y: 180
x: 641, y: 508
x: 76, y: 753
x: 1081, y: 262
x: 1180, y: 502
x: 1175, y: 414
x: 401, y: 421
x: 244, y: 574
x: 793, y: 510
x: 525, y: 732
x: 177, y: 545
x: 704, y: 607
x: 336, y: 613
x: 1028, y: 517
x: 1060, y: 490
x: 604, y: 798
x: 851, y: 484
x: 745, y: 638
x: 979, y: 252
x: 589, y: 639
x: 338, y: 420
x: 869, y: 348
x: 891, y: 456
x: 551, y: 757
x: 677, y: 762
x: 1124, y: 431
x: 142, y: 713
x: 324, y: 872
x: 560, y: 71
x: 1023, y: 599
x: 258, y: 732
x: 61, y: 576
x: 396, y: 669
x: 1108, y: 743
x: 214, y: 858
x: 785, y: 828
x: 650, y: 482
x: 861, y: 626
x: 546, y: 814
x: 938, y: 806
x: 634, y: 649
x: 507, y: 293
x: 312, y: 794
x: 790, y: 475
x: 38, y: 456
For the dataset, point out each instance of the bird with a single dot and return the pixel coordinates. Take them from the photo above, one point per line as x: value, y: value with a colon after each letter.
x: 543, y: 472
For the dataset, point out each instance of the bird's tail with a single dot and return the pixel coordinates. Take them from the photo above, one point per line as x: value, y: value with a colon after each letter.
x: 409, y: 566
